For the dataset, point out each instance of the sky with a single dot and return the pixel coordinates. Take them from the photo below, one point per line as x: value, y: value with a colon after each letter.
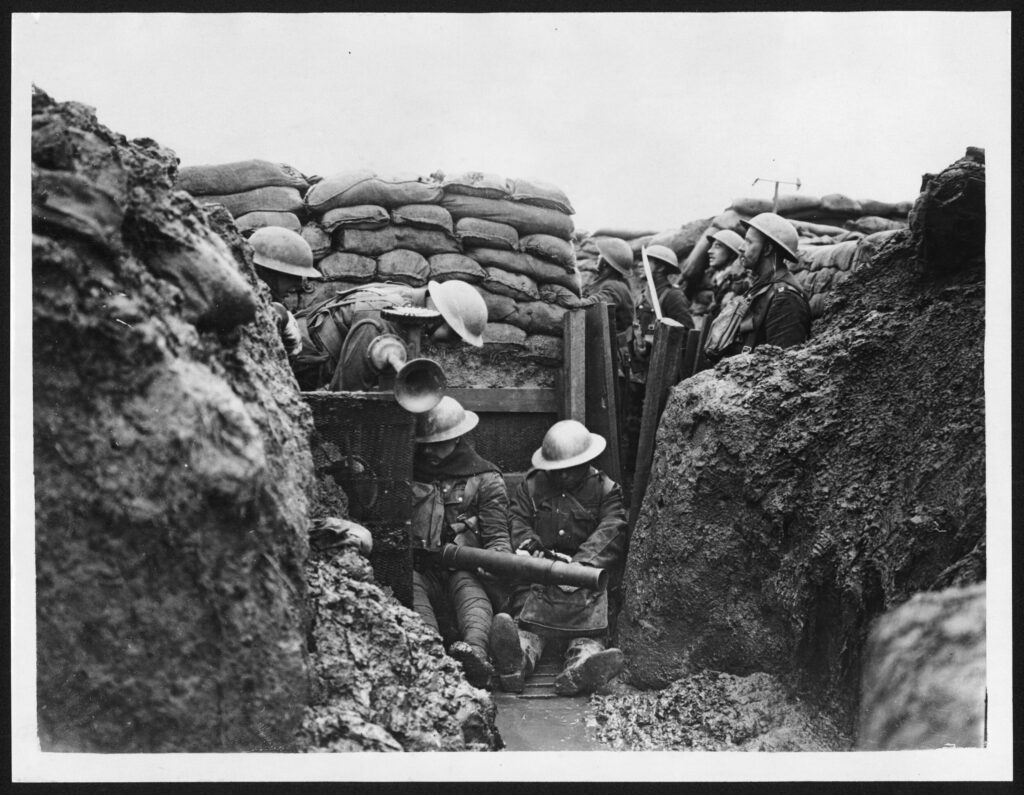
x: 646, y: 121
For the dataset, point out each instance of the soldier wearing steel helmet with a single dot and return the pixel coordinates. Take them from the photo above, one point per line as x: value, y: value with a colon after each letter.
x: 779, y: 313
x: 283, y: 259
x: 726, y: 273
x: 460, y: 498
x: 338, y: 332
x: 612, y: 285
x: 567, y: 509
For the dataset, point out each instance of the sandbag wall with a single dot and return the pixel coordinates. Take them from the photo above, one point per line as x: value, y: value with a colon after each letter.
x: 510, y: 238
x: 831, y: 229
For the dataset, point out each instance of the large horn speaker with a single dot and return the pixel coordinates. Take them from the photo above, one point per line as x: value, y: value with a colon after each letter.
x: 420, y: 385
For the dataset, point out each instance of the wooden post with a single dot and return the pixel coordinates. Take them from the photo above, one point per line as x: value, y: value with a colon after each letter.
x: 691, y: 355
x: 574, y: 366
x: 601, y: 388
x: 661, y: 375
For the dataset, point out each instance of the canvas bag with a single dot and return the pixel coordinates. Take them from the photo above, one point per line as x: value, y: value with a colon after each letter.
x: 725, y: 328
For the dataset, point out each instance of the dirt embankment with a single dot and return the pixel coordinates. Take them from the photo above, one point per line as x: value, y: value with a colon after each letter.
x: 797, y: 495
x: 174, y: 491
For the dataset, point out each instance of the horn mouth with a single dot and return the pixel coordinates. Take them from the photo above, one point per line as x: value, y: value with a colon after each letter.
x: 420, y: 385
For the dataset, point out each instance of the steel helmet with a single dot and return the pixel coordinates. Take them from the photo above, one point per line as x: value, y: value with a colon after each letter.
x: 283, y: 250
x: 664, y: 254
x: 462, y: 308
x: 566, y: 444
x: 729, y: 239
x: 778, y: 230
x: 446, y: 421
x: 617, y: 253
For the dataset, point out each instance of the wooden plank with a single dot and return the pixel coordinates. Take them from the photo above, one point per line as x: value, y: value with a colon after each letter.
x: 690, y: 354
x: 601, y: 398
x: 702, y: 362
x: 534, y: 400
x: 574, y: 367
x: 661, y: 375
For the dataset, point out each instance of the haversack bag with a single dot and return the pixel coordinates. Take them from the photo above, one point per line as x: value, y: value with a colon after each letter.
x: 726, y: 327
x: 579, y: 613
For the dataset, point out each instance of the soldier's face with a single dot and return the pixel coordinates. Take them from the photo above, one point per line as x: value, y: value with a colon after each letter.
x: 569, y: 479
x: 718, y: 255
x: 753, y: 247
x: 436, y: 452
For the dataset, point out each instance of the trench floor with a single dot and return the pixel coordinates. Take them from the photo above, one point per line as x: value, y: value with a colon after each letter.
x: 538, y: 719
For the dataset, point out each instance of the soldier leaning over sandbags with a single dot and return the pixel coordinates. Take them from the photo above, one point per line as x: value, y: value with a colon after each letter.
x: 774, y: 311
x: 340, y: 334
x: 283, y: 259
x: 567, y: 509
x: 460, y: 498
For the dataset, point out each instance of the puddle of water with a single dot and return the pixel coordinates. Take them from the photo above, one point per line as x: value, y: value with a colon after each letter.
x: 545, y: 724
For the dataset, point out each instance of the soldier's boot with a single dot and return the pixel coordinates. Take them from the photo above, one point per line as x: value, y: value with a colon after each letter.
x: 588, y: 666
x: 515, y: 652
x: 473, y: 613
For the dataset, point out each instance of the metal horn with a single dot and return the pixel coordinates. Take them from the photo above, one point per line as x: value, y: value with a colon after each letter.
x: 420, y: 385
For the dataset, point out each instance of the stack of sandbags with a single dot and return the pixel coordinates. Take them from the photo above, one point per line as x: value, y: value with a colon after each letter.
x: 257, y: 193
x: 510, y: 238
x: 834, y: 209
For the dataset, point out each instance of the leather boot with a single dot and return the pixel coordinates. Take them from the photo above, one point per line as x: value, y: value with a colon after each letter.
x: 588, y: 666
x: 475, y: 664
x: 515, y: 652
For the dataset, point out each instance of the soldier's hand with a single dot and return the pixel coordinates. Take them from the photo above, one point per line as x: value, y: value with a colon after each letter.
x: 531, y: 547
x: 560, y: 556
x: 569, y: 588
x: 483, y: 574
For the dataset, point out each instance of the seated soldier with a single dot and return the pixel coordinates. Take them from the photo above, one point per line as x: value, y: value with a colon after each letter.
x: 458, y: 498
x: 566, y: 509
x: 338, y: 333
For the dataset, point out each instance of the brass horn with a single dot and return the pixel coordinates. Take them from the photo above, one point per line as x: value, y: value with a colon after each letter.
x: 420, y: 385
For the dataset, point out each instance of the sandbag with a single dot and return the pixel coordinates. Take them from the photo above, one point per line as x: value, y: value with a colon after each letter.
x: 623, y: 234
x: 537, y: 317
x: 514, y: 285
x: 444, y: 267
x: 638, y: 243
x: 374, y: 242
x: 270, y: 199
x: 424, y: 216
x: 361, y: 216
x: 538, y: 270
x: 805, y: 278
x: 503, y: 335
x: 839, y: 255
x: 238, y: 177
x: 526, y: 218
x: 403, y: 266
x: 488, y: 234
x: 681, y: 240
x: 545, y: 349
x: 817, y: 305
x: 730, y: 219
x: 821, y: 280
x: 877, y: 208
x: 250, y: 222
x: 869, y: 224
x: 838, y: 204
x: 750, y: 207
x: 364, y: 187
x: 839, y: 277
x: 499, y: 307
x: 348, y: 267
x: 557, y: 294
x: 540, y: 194
x: 809, y: 229
x: 550, y: 248
x: 476, y: 183
x: 795, y: 203
x: 318, y: 239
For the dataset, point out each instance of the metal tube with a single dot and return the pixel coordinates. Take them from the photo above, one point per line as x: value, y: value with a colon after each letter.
x: 522, y: 567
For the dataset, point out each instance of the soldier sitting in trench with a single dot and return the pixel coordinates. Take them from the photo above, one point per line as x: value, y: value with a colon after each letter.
x: 460, y: 498
x: 567, y: 509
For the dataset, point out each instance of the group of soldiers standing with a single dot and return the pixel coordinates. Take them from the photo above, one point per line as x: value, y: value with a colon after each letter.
x: 565, y: 508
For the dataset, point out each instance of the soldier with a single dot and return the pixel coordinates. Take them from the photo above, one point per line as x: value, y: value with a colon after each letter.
x: 675, y: 305
x: 337, y: 334
x: 614, y: 264
x: 458, y: 498
x: 282, y: 259
x: 566, y: 509
x: 726, y: 270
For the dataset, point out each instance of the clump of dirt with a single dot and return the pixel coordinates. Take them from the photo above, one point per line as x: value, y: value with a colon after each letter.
x: 382, y: 680
x: 924, y: 683
x: 465, y: 366
x: 171, y: 463
x: 796, y: 495
x: 713, y: 711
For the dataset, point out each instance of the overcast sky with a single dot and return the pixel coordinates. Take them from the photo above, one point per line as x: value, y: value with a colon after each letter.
x: 645, y: 120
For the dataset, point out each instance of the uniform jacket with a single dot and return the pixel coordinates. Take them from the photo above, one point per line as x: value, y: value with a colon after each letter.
x: 781, y: 316
x: 617, y: 293
x: 588, y: 524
